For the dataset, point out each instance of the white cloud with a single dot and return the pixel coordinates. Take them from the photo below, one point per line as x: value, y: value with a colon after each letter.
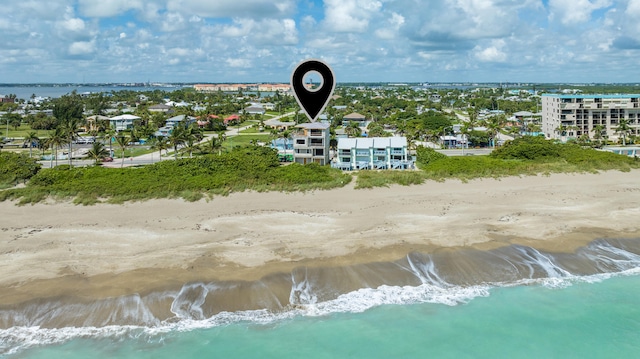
x: 93, y: 8
x: 240, y: 63
x: 233, y: 8
x: 82, y: 47
x: 393, y: 25
x: 74, y: 25
x: 571, y: 12
x: 493, y: 53
x: 633, y: 8
x: 349, y: 15
x: 173, y: 22
x: 263, y: 32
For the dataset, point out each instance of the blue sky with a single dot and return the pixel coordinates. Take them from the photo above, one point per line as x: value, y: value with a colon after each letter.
x: 362, y: 40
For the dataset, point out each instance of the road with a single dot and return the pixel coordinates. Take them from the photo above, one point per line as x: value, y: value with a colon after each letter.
x: 467, y: 152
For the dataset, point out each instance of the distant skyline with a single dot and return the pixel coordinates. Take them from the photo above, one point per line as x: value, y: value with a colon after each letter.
x: 537, y: 41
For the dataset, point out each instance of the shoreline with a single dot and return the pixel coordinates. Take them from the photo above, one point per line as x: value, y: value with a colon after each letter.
x: 61, y: 249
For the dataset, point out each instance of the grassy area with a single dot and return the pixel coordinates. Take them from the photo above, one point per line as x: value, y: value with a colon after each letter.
x: 250, y: 168
x: 243, y: 140
x: 252, y: 130
x: 21, y: 132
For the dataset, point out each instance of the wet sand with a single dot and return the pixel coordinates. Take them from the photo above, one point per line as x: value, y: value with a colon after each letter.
x: 60, y: 249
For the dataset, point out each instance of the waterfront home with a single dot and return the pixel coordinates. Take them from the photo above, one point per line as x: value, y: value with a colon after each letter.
x: 311, y: 143
x: 372, y: 153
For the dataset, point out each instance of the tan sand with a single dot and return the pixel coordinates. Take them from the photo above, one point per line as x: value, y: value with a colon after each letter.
x: 104, y: 250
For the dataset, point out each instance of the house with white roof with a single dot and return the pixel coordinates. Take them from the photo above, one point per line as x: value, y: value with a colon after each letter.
x: 372, y: 153
x: 123, y: 122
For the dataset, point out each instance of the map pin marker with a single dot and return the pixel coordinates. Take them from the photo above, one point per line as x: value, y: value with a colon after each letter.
x: 312, y: 101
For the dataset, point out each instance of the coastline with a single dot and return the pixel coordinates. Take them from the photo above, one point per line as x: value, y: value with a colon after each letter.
x: 61, y: 249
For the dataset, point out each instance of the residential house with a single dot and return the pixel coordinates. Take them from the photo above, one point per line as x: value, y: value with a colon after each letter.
x: 160, y: 108
x: 171, y: 123
x: 123, y: 122
x: 231, y: 120
x: 372, y: 153
x: 269, y: 106
x: 180, y: 119
x: 279, y: 125
x: 255, y: 110
x: 93, y: 122
x: 311, y: 143
x: 354, y: 117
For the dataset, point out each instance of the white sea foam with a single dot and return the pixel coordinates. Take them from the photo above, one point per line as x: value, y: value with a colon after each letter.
x: 188, y: 302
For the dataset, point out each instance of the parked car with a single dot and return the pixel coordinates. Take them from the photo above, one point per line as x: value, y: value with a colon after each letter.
x: 107, y: 159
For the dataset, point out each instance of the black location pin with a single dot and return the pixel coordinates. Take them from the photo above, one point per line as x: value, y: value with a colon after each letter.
x: 313, y: 101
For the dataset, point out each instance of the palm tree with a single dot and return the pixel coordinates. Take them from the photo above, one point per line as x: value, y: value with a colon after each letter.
x: 29, y: 139
x: 160, y: 143
x: 56, y: 140
x: 561, y: 130
x: 221, y: 137
x: 465, y: 130
x: 623, y: 129
x: 109, y: 133
x: 494, y: 124
x: 97, y: 151
x: 123, y: 143
x: 353, y: 130
x: 194, y: 132
x: 70, y: 127
x: 177, y: 138
x: 597, y: 132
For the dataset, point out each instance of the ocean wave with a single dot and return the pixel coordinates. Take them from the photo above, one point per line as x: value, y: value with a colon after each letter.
x: 317, y: 292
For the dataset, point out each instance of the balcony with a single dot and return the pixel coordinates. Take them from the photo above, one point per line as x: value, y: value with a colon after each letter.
x: 379, y: 152
x: 313, y: 143
x: 316, y: 133
x: 362, y: 153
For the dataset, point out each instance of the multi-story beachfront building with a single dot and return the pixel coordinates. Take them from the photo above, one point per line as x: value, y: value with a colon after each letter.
x: 372, y: 153
x: 571, y: 116
x: 311, y: 143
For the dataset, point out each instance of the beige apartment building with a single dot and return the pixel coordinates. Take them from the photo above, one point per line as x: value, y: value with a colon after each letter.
x: 579, y: 114
x: 311, y: 143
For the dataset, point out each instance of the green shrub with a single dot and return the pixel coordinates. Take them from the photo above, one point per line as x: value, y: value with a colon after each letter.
x: 16, y: 168
x: 425, y: 155
x: 254, y: 168
x: 528, y: 148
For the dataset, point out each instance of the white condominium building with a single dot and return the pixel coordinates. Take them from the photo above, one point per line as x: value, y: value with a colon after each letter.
x: 575, y: 115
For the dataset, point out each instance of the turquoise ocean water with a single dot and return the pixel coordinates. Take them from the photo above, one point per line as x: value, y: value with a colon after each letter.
x: 555, y: 316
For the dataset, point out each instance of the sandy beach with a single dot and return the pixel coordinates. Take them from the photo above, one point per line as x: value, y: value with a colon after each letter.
x: 55, y: 249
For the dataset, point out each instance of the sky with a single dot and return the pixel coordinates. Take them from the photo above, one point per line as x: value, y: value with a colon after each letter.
x: 59, y: 41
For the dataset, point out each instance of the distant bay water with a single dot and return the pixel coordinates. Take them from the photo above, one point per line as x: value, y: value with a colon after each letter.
x: 55, y: 91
